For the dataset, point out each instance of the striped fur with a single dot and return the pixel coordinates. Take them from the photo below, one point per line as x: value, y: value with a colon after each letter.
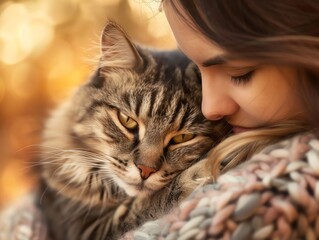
x: 92, y: 187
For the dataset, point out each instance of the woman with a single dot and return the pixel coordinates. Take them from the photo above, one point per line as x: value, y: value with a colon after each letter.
x: 259, y: 62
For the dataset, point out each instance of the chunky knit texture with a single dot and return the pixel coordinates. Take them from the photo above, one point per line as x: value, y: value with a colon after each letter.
x: 274, y: 195
x: 23, y: 220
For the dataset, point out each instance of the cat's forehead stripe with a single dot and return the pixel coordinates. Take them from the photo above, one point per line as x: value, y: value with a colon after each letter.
x: 138, y: 103
x: 152, y: 101
x: 175, y: 113
x: 184, y: 119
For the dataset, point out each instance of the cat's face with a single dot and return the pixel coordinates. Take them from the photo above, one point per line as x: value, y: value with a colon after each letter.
x: 143, y: 130
x: 137, y: 124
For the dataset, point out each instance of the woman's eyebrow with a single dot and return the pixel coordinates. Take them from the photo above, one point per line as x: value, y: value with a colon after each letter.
x: 218, y: 60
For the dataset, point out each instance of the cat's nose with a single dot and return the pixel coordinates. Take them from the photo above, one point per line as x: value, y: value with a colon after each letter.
x: 146, y: 171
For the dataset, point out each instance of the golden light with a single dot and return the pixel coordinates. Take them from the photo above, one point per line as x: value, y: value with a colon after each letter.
x: 2, y: 89
x: 107, y: 2
x: 159, y: 23
x: 20, y: 82
x: 155, y: 22
x: 23, y: 133
x: 11, y: 19
x: 14, y: 185
x: 59, y: 88
x: 22, y: 32
x: 47, y: 49
x: 61, y: 61
x: 148, y: 8
x: 35, y: 34
x: 59, y: 11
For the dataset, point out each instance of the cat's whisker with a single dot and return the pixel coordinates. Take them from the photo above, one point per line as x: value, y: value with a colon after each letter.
x: 55, y: 156
x: 49, y: 160
x: 70, y: 136
x: 46, y: 188
x: 28, y: 147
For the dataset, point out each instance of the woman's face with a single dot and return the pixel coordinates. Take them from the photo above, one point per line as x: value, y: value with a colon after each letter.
x: 247, y: 94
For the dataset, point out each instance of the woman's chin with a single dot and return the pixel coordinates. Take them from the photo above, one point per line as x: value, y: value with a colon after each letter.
x: 237, y: 130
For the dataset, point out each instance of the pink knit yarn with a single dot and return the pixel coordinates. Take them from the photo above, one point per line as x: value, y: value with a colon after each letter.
x: 274, y: 195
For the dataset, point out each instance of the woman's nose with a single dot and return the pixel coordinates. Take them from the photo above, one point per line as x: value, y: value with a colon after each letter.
x: 217, y: 101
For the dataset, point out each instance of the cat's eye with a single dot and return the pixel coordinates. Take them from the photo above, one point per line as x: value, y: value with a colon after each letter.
x: 127, y: 121
x: 182, y: 138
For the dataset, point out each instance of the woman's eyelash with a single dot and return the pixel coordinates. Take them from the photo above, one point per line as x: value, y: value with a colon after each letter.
x: 242, y: 79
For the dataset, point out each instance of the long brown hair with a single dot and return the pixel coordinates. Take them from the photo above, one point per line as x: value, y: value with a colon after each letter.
x: 276, y: 32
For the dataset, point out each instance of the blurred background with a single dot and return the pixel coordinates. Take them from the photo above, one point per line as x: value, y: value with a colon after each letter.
x: 46, y: 49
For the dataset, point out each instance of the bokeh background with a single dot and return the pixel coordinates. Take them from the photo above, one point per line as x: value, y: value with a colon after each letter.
x: 48, y: 47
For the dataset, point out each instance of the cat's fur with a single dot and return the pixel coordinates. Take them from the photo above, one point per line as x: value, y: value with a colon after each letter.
x: 101, y: 178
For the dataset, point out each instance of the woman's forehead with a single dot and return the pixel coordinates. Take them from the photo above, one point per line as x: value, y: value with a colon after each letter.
x: 190, y: 40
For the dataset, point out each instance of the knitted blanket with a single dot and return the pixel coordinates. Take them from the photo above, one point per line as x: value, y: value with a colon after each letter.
x: 23, y: 220
x: 274, y: 195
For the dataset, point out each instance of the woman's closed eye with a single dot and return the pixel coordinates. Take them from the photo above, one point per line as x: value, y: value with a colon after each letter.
x: 242, y: 79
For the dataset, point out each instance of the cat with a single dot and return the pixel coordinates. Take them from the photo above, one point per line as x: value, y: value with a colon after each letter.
x: 118, y: 152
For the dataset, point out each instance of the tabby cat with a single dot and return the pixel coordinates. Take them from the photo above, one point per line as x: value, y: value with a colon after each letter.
x: 114, y: 155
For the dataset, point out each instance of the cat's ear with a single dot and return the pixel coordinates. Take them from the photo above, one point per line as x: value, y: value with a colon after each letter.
x: 117, y: 49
